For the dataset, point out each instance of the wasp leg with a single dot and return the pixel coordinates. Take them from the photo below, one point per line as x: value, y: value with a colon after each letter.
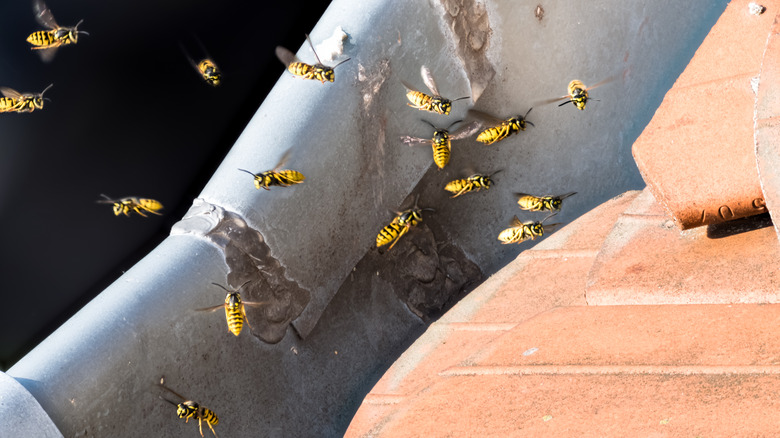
x: 462, y: 191
x: 403, y: 231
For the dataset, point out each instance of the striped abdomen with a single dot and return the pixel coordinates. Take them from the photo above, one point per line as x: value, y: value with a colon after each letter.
x: 441, y: 149
x: 496, y: 133
x: 43, y: 39
x: 389, y: 233
x: 531, y: 203
x: 284, y: 178
x: 209, y: 416
x: 8, y: 104
x: 514, y: 235
x: 234, y: 313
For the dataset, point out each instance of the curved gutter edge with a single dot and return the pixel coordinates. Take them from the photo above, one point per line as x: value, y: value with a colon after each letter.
x: 20, y: 413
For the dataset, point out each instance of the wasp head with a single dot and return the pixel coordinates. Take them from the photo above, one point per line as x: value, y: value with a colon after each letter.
x: 537, y: 229
x: 233, y: 300
x: 187, y: 409
x: 441, y: 105
x: 555, y: 203
x: 579, y: 98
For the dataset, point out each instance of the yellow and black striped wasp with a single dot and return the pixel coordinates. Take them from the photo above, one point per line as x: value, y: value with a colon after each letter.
x: 442, y: 141
x: 131, y: 203
x: 47, y: 41
x: 473, y: 183
x: 189, y: 409
x: 235, y: 313
x: 541, y: 203
x: 318, y: 71
x: 276, y: 177
x: 14, y: 101
x: 522, y: 231
x: 402, y: 222
x: 578, y: 93
x: 435, y: 103
x: 206, y: 67
x: 498, y: 129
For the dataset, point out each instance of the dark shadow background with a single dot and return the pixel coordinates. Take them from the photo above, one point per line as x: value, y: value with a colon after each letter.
x: 128, y: 116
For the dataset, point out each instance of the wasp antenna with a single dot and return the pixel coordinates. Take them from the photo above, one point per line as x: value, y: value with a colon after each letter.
x: 165, y: 399
x: 460, y: 98
x: 548, y: 217
x: 45, y: 89
x: 429, y: 123
x: 223, y: 287
x: 499, y: 170
x: 453, y: 124
x: 245, y: 283
x: 428, y: 209
x: 564, y: 103
x: 340, y: 62
x: 312, y: 49
x: 528, y: 112
x: 244, y: 170
x: 530, y: 123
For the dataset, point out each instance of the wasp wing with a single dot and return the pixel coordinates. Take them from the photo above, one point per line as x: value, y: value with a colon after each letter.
x: 605, y: 81
x: 211, y: 309
x: 254, y: 303
x: 466, y: 131
x: 312, y: 49
x: 427, y: 77
x: 287, y: 57
x: 43, y: 15
x: 485, y: 119
x: 413, y: 141
x: 515, y: 223
x: 547, y: 101
x: 409, y: 87
x: 47, y: 54
x: 10, y: 93
x: 283, y: 160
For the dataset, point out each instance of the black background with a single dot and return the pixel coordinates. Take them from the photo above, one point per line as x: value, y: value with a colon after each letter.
x: 128, y: 116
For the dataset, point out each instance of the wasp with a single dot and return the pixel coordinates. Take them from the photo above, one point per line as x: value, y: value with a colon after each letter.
x: 276, y: 177
x: 541, y: 203
x: 189, y: 409
x: 126, y: 205
x: 403, y: 221
x: 424, y: 102
x: 235, y: 313
x: 14, y: 101
x: 473, y: 183
x: 578, y: 93
x: 442, y: 141
x: 499, y: 129
x: 206, y: 67
x: 47, y: 41
x: 318, y: 71
x: 522, y: 231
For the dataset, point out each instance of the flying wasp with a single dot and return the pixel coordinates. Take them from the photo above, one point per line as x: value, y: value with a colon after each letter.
x: 189, y: 409
x: 424, y: 102
x: 522, y: 231
x: 235, y: 313
x: 14, y: 101
x: 499, y: 129
x: 541, y: 203
x: 276, y: 177
x: 318, y: 71
x: 403, y: 221
x: 442, y: 141
x: 47, y: 41
x: 474, y: 183
x: 578, y: 93
x: 126, y: 205
x: 206, y: 67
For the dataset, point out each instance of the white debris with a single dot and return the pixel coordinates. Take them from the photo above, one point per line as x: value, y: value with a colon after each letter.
x: 333, y: 47
x: 754, y: 84
x: 756, y: 9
